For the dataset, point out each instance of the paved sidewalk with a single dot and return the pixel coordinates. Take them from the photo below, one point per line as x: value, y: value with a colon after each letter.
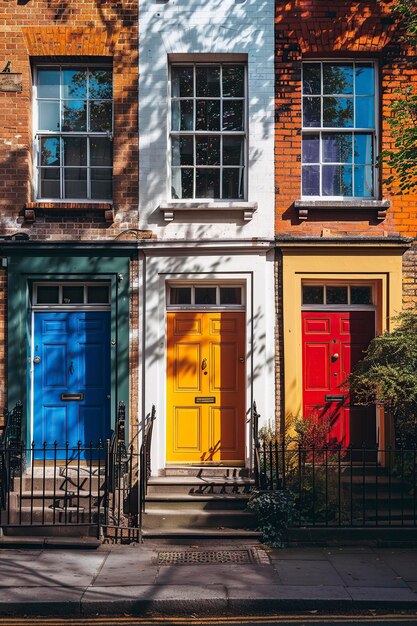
x: 129, y: 580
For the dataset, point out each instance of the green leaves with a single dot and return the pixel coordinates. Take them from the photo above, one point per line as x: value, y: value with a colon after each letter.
x: 402, y: 158
x: 275, y: 512
x: 387, y: 375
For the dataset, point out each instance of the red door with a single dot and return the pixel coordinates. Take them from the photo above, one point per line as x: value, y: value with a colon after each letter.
x: 333, y: 342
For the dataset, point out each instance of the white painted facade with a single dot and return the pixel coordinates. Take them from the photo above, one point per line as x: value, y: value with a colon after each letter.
x: 251, y: 265
x: 168, y: 29
x: 216, y: 242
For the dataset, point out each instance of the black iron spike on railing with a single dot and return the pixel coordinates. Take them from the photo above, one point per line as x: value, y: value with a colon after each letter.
x: 341, y: 486
x: 145, y: 465
x: 91, y: 483
x: 256, y: 447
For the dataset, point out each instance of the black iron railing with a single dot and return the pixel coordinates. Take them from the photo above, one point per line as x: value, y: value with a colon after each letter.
x: 58, y: 484
x: 10, y: 451
x: 256, y: 448
x: 341, y: 486
x: 145, y: 464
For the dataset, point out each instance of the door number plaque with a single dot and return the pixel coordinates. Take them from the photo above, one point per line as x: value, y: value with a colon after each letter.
x: 205, y: 400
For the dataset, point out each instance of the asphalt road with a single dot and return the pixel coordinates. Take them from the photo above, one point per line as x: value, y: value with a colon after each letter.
x: 369, y: 619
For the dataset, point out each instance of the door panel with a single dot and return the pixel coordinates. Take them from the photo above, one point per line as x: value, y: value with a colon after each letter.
x: 187, y: 359
x: 225, y: 361
x: 205, y: 387
x: 74, y: 351
x: 333, y: 343
x: 188, y: 429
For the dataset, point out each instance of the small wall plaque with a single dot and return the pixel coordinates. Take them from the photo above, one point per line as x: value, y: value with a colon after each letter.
x: 334, y: 398
x: 11, y: 81
x: 205, y: 400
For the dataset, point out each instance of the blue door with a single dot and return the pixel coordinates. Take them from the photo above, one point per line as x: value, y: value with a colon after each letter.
x: 71, y: 380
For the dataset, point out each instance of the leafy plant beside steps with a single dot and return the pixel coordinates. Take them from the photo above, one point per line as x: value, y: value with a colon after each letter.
x: 275, y: 511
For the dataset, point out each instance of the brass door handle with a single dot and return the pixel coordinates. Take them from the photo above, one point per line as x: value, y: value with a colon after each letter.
x: 204, y: 364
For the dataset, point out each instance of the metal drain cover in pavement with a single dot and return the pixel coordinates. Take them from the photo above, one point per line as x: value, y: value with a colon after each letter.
x: 207, y: 556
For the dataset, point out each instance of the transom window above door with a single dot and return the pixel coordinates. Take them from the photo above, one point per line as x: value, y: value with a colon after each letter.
x: 73, y: 132
x: 205, y: 296
x: 339, y: 129
x: 208, y: 131
x: 337, y: 295
x: 67, y: 294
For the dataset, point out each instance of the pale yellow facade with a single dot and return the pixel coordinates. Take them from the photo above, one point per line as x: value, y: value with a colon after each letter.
x: 378, y: 265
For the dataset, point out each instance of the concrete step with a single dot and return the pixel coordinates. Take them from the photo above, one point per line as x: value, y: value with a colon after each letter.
x: 193, y: 485
x: 53, y: 533
x: 40, y: 515
x: 61, y: 482
x: 202, y: 471
x: 352, y: 536
x: 395, y: 515
x: 209, y: 502
x: 198, y: 534
x: 48, y: 498
x: 383, y: 499
x: 197, y: 519
x: 68, y: 543
x: 373, y: 479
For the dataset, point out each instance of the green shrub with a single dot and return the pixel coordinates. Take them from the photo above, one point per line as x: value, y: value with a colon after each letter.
x: 274, y: 511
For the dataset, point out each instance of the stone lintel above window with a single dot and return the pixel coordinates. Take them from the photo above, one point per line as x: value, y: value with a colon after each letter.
x: 246, y: 208
x: 355, y: 204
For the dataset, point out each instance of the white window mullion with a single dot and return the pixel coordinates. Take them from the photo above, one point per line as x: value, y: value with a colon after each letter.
x: 61, y: 168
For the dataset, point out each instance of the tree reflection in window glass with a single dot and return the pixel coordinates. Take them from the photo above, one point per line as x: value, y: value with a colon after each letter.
x: 76, y: 101
x: 338, y: 101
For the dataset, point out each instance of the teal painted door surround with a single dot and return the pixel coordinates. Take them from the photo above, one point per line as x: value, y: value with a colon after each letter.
x: 26, y: 267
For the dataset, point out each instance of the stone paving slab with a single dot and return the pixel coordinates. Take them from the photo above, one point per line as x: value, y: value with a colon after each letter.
x: 364, y: 570
x: 291, y: 597
x: 139, y: 599
x: 402, y: 562
x: 117, y: 579
x: 289, y: 554
x: 40, y: 600
x: 51, y: 569
x: 309, y: 573
x: 231, y: 575
x: 382, y: 597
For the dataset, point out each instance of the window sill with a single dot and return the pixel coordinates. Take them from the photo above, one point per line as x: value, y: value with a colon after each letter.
x: 380, y: 206
x: 104, y: 207
x: 170, y: 208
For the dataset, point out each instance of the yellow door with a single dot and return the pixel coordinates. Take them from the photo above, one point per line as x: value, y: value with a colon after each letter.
x: 206, y: 388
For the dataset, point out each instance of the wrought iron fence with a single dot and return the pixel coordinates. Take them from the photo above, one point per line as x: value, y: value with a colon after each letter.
x: 10, y: 450
x: 341, y: 486
x: 53, y: 485
x: 145, y: 464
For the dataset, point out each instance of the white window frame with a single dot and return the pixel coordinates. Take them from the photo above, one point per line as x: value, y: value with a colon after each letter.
x: 173, y: 133
x: 321, y: 129
x: 37, y: 134
x: 206, y: 307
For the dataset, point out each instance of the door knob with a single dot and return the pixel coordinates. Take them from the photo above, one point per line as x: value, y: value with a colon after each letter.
x: 204, y: 364
x: 335, y: 356
x: 37, y: 359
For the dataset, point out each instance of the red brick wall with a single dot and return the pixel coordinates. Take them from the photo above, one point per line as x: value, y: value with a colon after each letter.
x: 67, y: 29
x: 3, y: 341
x: 307, y: 29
